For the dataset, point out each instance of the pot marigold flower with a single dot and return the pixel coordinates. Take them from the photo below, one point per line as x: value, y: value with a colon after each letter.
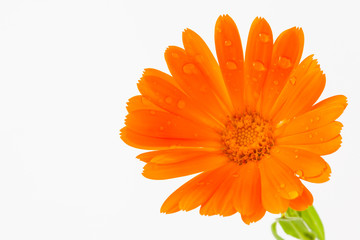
x: 248, y: 125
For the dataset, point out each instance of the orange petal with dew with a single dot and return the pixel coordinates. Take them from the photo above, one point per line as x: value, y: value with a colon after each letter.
x: 204, y: 162
x: 286, y: 55
x: 140, y: 103
x: 194, y: 82
x: 320, y: 115
x: 308, y: 166
x: 221, y: 201
x: 166, y: 125
x: 173, y: 155
x: 300, y: 93
x: 257, y: 60
x: 231, y: 60
x: 199, y: 52
x: 323, y: 148
x: 278, y: 185
x: 196, y: 191
x: 247, y: 198
x: 304, y: 201
x: 160, y: 90
x: 140, y: 141
x: 318, y: 135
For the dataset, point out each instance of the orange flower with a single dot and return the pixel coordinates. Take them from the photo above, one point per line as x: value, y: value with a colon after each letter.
x: 249, y: 127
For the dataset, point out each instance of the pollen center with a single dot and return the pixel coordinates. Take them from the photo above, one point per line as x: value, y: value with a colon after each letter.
x: 247, y: 137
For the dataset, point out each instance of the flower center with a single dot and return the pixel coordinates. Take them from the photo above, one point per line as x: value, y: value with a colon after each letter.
x: 247, y: 137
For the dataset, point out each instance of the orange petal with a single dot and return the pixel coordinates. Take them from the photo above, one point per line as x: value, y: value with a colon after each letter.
x: 137, y: 140
x: 204, y: 162
x: 322, y: 148
x: 308, y: 166
x: 140, y: 103
x: 304, y: 201
x: 195, y: 192
x: 257, y: 60
x: 286, y: 55
x: 166, y: 125
x: 194, y: 82
x: 230, y: 55
x: 300, y: 92
x: 199, y: 52
x: 320, y: 115
x: 318, y: 135
x: 158, y: 88
x: 278, y: 184
x: 247, y: 198
x: 256, y: 216
x: 221, y: 200
x: 173, y: 155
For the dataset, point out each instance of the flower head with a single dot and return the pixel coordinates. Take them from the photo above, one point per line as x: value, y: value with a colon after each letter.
x: 249, y: 126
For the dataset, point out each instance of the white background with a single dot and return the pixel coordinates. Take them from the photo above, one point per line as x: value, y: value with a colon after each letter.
x: 67, y: 69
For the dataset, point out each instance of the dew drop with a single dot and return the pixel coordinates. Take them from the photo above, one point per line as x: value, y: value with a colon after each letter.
x: 168, y: 100
x: 296, y: 150
x: 152, y: 112
x: 175, y: 55
x: 311, y: 120
x: 300, y: 173
x: 259, y: 66
x: 293, y: 194
x: 228, y: 43
x: 307, y: 128
x: 168, y: 122
x: 321, y: 139
x: 264, y: 37
x: 231, y: 65
x: 276, y: 82
x: 235, y: 175
x: 284, y: 62
x: 317, y: 118
x: 310, y: 135
x: 218, y: 29
x: 161, y: 128
x: 189, y: 68
x: 181, y: 104
x: 293, y: 80
x: 282, y: 185
x: 296, y: 156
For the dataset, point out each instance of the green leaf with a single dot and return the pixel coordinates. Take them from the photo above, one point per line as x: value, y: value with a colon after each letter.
x: 295, y: 226
x: 274, y: 232
x: 313, y: 220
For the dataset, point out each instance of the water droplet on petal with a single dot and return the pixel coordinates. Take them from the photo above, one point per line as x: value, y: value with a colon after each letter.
x: 293, y: 194
x: 175, y: 55
x: 321, y: 139
x: 310, y: 135
x: 264, y: 37
x: 307, y: 128
x: 282, y: 185
x: 152, y: 112
x: 284, y: 62
x: 293, y: 80
x: 231, y: 65
x: 235, y: 175
x: 311, y: 120
x: 168, y: 100
x: 161, y: 128
x: 218, y: 29
x: 259, y: 66
x: 300, y: 173
x: 181, y: 104
x: 276, y: 82
x: 317, y: 118
x: 228, y: 43
x: 168, y: 122
x: 296, y: 156
x: 189, y: 68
